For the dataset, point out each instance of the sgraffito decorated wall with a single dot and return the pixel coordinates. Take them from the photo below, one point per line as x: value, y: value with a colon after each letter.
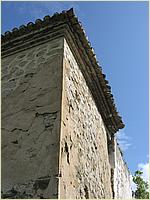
x: 31, y: 104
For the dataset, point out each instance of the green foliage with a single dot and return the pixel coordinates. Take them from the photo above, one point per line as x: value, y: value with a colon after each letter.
x: 142, y: 186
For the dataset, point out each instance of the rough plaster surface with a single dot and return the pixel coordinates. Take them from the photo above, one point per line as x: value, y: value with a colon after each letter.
x: 122, y: 185
x: 85, y: 169
x: 31, y: 100
x: 52, y: 146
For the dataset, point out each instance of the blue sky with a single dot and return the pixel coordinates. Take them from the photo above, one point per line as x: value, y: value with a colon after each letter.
x: 118, y: 32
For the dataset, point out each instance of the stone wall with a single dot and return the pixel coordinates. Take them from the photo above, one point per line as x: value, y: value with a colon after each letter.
x: 122, y: 185
x: 84, y: 162
x: 31, y: 104
x: 54, y: 141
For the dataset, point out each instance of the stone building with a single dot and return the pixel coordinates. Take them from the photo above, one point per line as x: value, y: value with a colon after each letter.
x: 58, y: 116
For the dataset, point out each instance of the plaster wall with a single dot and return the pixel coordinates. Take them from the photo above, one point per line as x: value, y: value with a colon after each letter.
x: 84, y: 162
x: 122, y: 185
x: 54, y: 141
x: 31, y: 104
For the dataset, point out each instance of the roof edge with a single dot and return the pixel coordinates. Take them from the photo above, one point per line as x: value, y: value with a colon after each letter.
x: 31, y: 27
x: 10, y: 39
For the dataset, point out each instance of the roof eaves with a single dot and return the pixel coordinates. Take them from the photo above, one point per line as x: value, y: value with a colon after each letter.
x: 112, y: 119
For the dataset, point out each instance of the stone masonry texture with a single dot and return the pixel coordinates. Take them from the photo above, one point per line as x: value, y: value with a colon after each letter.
x: 84, y: 155
x: 58, y: 116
